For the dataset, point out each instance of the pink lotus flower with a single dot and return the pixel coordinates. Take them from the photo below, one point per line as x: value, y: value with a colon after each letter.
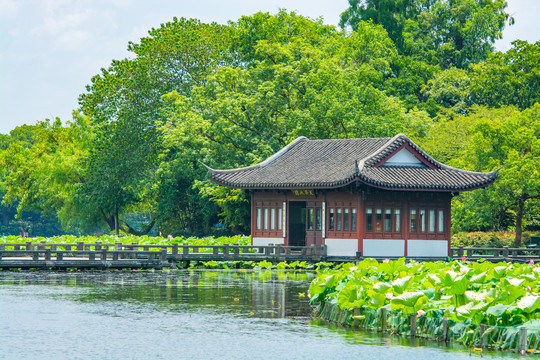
x: 420, y: 313
x: 389, y: 295
x: 463, y: 258
x: 353, y: 268
x: 170, y: 236
x: 531, y: 262
x: 528, y: 288
x: 386, y: 260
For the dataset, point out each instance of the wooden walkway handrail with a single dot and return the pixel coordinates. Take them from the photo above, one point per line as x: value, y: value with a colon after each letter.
x: 118, y: 255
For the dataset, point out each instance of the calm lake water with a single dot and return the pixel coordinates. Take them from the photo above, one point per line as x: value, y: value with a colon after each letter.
x: 183, y: 315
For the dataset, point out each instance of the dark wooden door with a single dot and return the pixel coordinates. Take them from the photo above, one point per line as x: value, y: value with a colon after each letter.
x: 297, y: 223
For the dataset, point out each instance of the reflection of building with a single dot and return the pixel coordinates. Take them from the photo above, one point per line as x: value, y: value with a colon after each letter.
x: 380, y: 196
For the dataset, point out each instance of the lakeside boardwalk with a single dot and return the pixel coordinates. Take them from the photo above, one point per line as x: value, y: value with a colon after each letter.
x: 137, y: 256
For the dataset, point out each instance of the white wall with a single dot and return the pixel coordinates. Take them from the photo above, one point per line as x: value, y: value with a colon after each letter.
x: 427, y: 248
x: 403, y: 157
x: 383, y: 247
x: 341, y: 247
x: 260, y: 241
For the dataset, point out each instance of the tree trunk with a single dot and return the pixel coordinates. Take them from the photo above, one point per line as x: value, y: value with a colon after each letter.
x: 519, y: 221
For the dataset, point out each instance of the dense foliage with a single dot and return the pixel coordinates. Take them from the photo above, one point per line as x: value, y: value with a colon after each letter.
x: 130, y: 159
x: 503, y: 294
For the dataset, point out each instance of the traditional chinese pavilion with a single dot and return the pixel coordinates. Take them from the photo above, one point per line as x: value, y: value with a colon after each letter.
x: 382, y: 197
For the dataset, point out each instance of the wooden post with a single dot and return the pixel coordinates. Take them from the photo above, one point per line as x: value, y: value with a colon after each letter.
x: 482, y: 337
x: 98, y: 245
x: 505, y: 251
x: 279, y: 250
x: 384, y: 321
x: 313, y: 250
x: 185, y: 248
x: 175, y: 249
x: 29, y: 246
x: 35, y: 256
x: 355, y: 321
x: 80, y: 246
x: 226, y: 250
x: 460, y: 252
x: 48, y: 254
x: 445, y: 330
x: 413, y: 325
x: 215, y: 250
x: 236, y: 250
x: 59, y: 255
x: 523, y: 340
x: 163, y: 253
x: 324, y: 251
x: 104, y: 254
x: 268, y: 249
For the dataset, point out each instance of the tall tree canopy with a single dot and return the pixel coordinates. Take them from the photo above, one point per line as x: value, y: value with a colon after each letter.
x: 485, y: 140
x: 449, y: 33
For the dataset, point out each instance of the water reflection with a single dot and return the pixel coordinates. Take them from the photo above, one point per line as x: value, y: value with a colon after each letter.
x: 267, y: 294
x: 188, y: 314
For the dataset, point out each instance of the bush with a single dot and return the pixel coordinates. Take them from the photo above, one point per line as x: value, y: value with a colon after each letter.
x: 496, y: 239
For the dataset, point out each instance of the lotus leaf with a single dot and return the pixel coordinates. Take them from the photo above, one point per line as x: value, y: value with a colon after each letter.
x: 497, y: 310
x: 529, y: 303
x: 401, y: 284
x: 407, y: 299
x: 381, y: 287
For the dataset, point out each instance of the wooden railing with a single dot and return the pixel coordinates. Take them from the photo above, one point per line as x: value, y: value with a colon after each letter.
x: 100, y: 255
x: 496, y: 254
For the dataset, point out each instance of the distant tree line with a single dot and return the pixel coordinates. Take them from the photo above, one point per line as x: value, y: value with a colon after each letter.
x: 231, y: 95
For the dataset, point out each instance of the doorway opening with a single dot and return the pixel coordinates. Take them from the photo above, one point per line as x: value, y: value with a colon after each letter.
x: 297, y: 223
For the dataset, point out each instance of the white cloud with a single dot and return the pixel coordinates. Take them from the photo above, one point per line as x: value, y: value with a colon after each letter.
x: 9, y: 8
x: 57, y: 22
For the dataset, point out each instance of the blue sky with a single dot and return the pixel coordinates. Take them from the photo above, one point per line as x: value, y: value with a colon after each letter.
x: 49, y: 49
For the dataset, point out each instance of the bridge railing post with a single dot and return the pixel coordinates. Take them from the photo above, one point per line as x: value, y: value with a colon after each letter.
x: 236, y: 250
x: 80, y: 246
x: 279, y: 250
x: 505, y: 251
x: 29, y: 246
x: 185, y: 248
x: 48, y: 254
x: 175, y: 249
x: 313, y: 251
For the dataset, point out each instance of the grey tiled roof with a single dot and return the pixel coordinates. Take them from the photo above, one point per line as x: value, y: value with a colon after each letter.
x: 331, y: 163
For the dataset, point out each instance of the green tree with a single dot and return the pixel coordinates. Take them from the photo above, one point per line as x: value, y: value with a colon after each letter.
x: 450, y: 33
x: 40, y: 168
x: 299, y: 87
x: 485, y: 140
x: 124, y: 104
x: 510, y: 78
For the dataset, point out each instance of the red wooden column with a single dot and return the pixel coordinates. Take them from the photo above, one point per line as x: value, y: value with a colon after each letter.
x: 448, y: 223
x: 360, y: 223
x: 405, y: 222
x: 253, y: 217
